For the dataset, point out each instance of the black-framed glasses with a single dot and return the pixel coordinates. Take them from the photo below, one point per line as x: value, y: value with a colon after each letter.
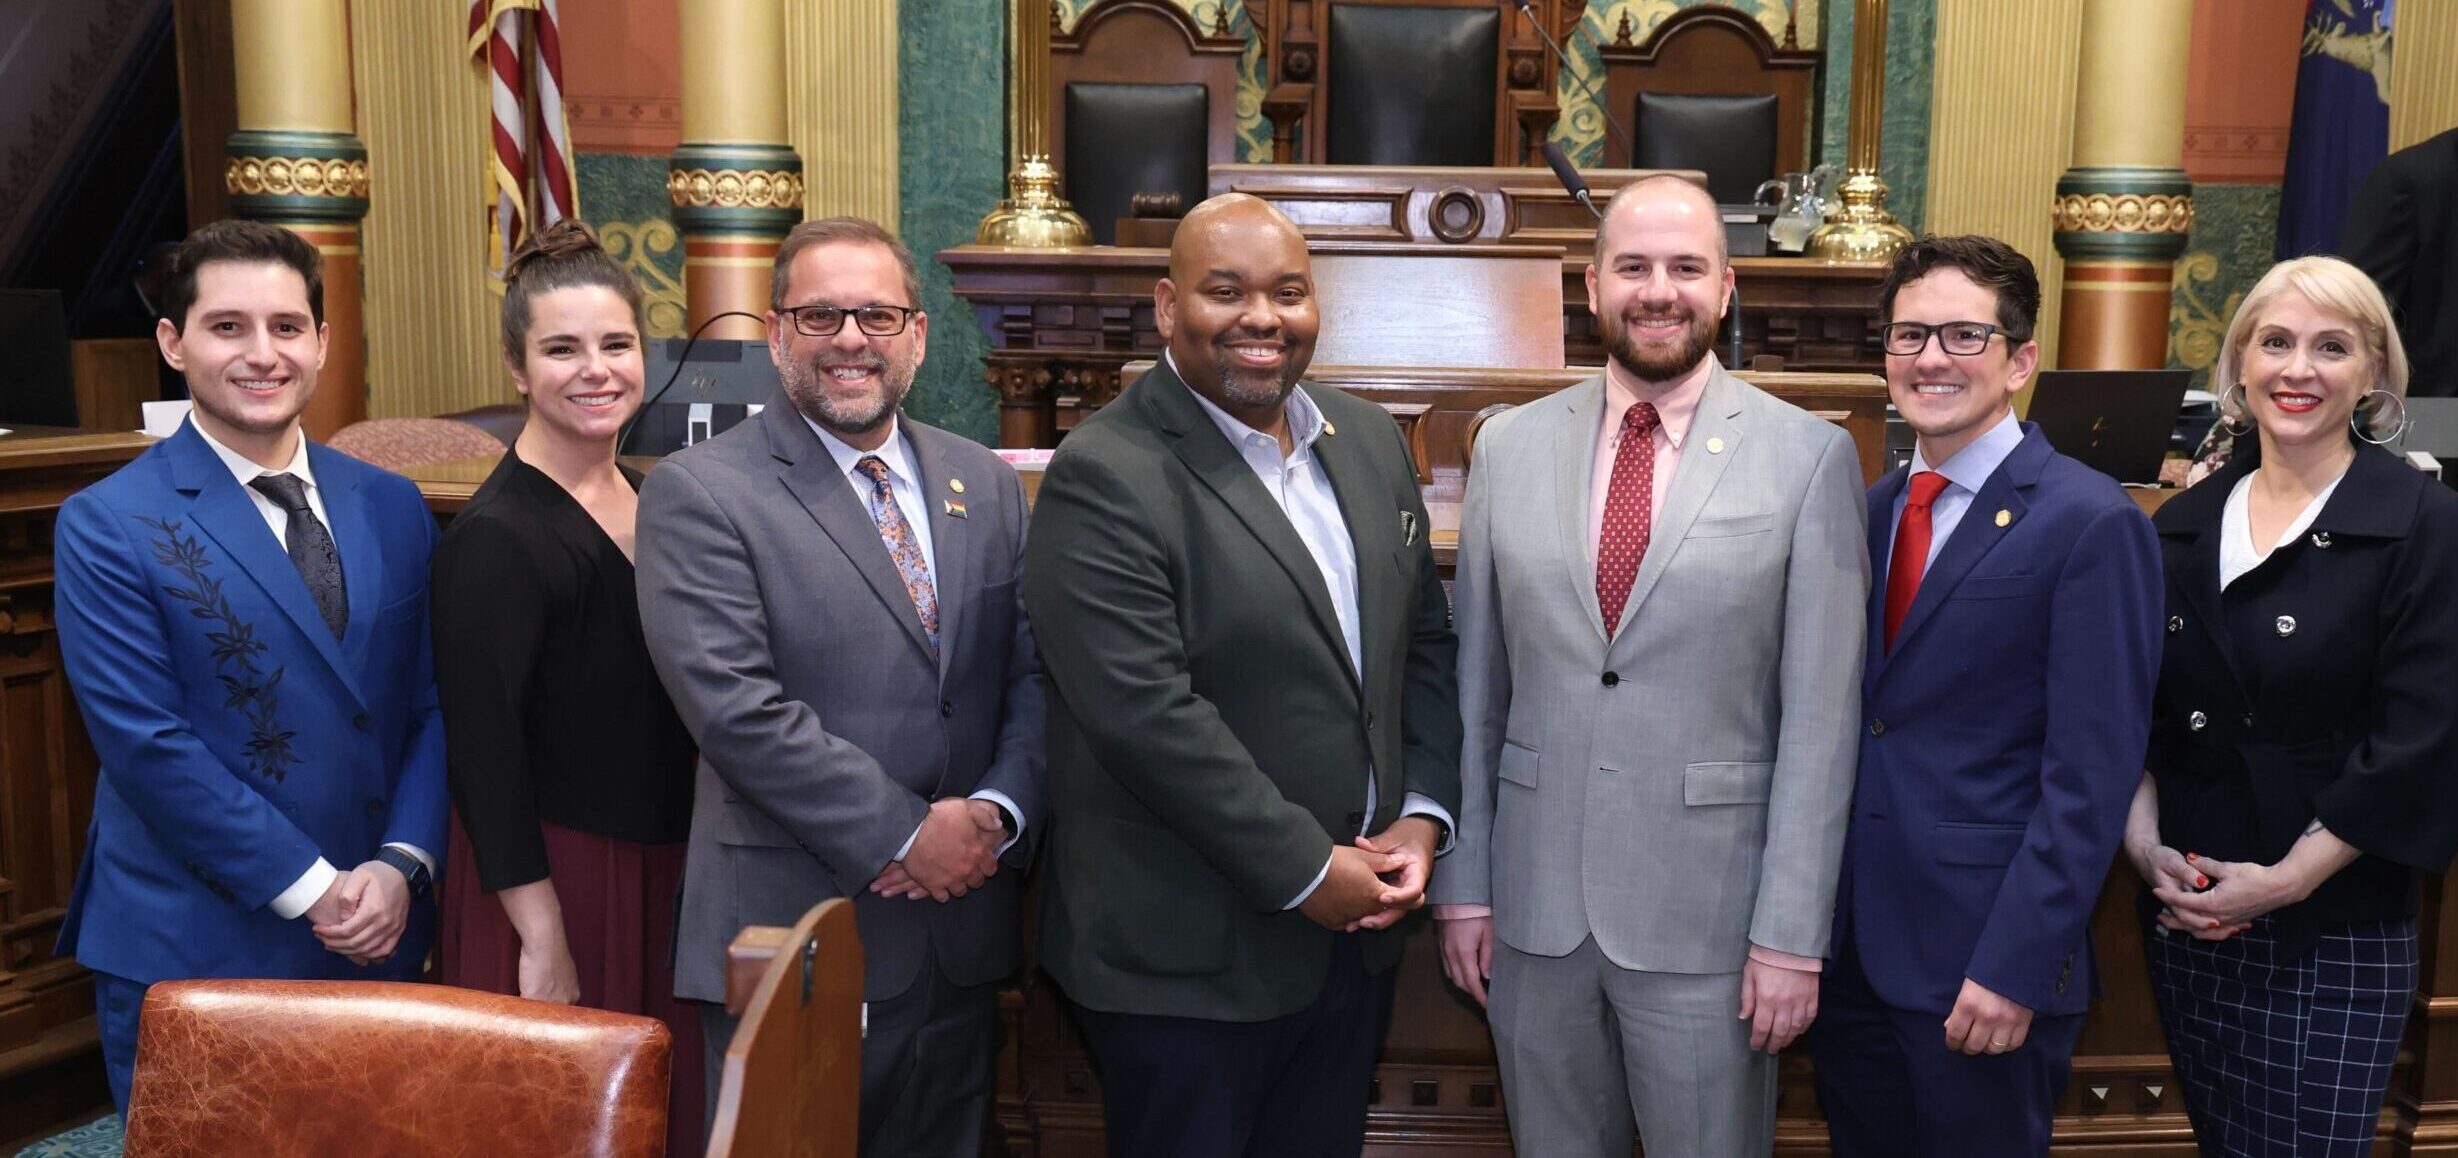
x: 1962, y: 339
x: 825, y: 321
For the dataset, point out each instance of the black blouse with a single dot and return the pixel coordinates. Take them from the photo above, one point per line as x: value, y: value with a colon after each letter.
x: 2322, y: 683
x: 551, y: 711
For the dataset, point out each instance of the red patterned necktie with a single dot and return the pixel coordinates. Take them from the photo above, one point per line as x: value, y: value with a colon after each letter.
x: 902, y: 546
x: 1628, y: 517
x: 1911, y: 557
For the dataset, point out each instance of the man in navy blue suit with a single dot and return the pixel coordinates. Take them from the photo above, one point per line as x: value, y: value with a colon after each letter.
x: 243, y: 617
x: 2013, y: 643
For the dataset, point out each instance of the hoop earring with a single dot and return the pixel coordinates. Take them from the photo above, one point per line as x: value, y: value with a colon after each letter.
x: 2239, y: 423
x: 2357, y: 424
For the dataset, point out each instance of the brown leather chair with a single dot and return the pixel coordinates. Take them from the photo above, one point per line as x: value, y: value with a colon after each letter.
x: 274, y: 1069
x: 400, y: 444
x: 502, y: 421
x: 793, y: 1074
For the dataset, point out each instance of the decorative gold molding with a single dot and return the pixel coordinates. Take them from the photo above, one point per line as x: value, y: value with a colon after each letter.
x: 841, y: 74
x: 296, y: 177
x: 734, y: 189
x: 2124, y: 213
x: 636, y: 244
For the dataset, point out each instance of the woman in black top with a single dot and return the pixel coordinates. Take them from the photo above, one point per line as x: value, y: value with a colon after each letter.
x: 2304, y: 727
x: 571, y: 774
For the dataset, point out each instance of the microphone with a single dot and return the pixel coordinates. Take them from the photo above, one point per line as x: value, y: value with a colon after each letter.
x: 1621, y: 135
x: 1570, y: 178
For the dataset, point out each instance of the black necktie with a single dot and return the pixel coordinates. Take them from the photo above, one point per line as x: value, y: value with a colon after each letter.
x: 311, y: 548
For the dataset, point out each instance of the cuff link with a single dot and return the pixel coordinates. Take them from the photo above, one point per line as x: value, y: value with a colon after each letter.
x: 2286, y: 626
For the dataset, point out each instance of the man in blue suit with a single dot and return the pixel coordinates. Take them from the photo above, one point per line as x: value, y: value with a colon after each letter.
x: 243, y: 617
x: 2013, y: 643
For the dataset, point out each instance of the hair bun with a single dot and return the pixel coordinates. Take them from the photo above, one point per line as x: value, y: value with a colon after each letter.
x: 568, y: 238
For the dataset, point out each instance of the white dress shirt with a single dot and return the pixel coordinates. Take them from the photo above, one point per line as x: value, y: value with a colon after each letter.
x: 905, y: 486
x: 309, y: 888
x: 1304, y: 493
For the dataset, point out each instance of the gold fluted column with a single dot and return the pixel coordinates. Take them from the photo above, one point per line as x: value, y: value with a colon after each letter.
x: 1034, y: 213
x: 840, y: 67
x: 2001, y: 127
x: 1863, y: 230
x: 295, y: 162
x: 431, y: 338
x: 735, y: 182
x: 2423, y: 99
x: 2125, y: 209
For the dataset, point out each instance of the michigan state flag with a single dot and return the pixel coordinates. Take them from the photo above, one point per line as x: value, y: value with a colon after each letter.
x: 2342, y: 120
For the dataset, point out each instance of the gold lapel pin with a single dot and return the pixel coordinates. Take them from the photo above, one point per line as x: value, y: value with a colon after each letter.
x: 1715, y: 446
x: 956, y: 485
x: 2004, y: 516
x: 1328, y: 428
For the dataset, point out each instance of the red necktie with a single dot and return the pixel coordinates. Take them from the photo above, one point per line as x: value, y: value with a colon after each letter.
x: 1627, y: 516
x: 1911, y: 555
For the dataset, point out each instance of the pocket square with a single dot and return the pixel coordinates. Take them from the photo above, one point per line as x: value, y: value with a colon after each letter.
x: 1408, y: 528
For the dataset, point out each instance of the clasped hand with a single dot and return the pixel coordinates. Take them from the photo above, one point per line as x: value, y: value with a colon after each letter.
x: 362, y: 913
x: 1375, y: 883
x: 2214, y: 899
x: 956, y: 851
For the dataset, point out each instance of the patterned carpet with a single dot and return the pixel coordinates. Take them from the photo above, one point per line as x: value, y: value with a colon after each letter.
x: 96, y: 1139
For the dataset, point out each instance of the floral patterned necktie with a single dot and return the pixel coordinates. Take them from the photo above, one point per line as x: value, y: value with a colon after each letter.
x: 902, y: 546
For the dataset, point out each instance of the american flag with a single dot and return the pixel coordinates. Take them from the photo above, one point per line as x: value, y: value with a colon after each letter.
x: 532, y: 162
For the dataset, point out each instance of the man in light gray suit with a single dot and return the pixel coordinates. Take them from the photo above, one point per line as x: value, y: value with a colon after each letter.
x: 829, y: 592
x: 1660, y: 595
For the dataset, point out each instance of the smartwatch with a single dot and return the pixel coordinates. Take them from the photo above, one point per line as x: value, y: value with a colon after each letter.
x: 412, y: 869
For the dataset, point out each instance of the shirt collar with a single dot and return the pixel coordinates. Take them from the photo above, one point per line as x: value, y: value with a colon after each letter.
x: 891, y: 452
x: 245, y: 469
x: 1971, y: 466
x: 1305, y: 418
x: 1674, y: 409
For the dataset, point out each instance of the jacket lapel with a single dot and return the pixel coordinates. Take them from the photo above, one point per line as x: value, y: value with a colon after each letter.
x: 223, y: 511
x: 950, y: 536
x: 362, y: 557
x: 810, y: 475
x: 1574, y: 464
x: 1209, y: 457
x: 1371, y: 525
x: 1719, y: 404
x: 1882, y: 496
x: 1979, y: 530
x: 2190, y: 531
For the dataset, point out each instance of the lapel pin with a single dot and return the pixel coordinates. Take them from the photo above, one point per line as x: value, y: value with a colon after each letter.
x: 954, y: 509
x: 956, y: 485
x: 2004, y: 517
x: 1715, y: 446
x: 1328, y: 428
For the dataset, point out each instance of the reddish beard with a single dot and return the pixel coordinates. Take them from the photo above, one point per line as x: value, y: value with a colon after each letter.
x: 1659, y: 364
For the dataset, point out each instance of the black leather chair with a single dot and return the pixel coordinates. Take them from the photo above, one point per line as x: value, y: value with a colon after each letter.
x: 1411, y: 85
x: 1731, y: 137
x: 1125, y: 139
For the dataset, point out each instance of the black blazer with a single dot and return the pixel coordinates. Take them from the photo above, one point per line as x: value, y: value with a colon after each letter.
x: 2324, y: 682
x: 1208, y: 741
x: 2402, y: 228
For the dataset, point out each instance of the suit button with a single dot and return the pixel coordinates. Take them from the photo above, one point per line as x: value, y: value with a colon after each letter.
x: 1612, y: 678
x: 2197, y: 721
x: 375, y: 810
x: 1356, y: 822
x: 2061, y: 985
x: 360, y: 721
x: 1877, y: 727
x: 2176, y: 623
x: 946, y: 709
x: 2248, y: 719
x: 2286, y: 626
x: 1369, y: 721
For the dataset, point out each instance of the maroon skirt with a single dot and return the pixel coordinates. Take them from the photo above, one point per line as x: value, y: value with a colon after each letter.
x: 618, y: 899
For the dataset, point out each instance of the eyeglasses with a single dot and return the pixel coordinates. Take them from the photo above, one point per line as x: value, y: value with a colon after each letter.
x: 825, y: 321
x: 1962, y: 339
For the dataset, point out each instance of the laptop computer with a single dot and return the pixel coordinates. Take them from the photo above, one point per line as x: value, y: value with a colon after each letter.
x: 2117, y: 422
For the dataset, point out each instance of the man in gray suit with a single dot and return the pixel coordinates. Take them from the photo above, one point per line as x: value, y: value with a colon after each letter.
x: 1660, y: 607
x: 829, y: 592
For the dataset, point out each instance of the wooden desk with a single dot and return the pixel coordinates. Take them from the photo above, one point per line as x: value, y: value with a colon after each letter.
x: 1061, y: 322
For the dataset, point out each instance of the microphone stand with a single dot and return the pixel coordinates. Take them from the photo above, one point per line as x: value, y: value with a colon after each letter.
x: 1620, y: 134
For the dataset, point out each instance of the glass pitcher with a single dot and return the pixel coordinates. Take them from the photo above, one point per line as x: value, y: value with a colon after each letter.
x: 1802, y: 202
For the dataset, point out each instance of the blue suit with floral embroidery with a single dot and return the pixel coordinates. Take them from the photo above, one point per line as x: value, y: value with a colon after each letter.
x: 239, y: 738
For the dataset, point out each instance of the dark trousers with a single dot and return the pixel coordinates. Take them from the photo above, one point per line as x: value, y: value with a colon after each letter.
x: 117, y: 1001
x: 1291, y: 1087
x: 926, y: 1060
x: 1890, y: 1087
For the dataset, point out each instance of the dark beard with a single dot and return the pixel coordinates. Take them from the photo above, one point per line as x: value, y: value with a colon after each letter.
x: 1249, y: 390
x: 1622, y: 343
x: 802, y: 384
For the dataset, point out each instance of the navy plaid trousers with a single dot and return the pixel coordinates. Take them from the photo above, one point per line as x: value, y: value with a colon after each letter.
x: 2285, y: 1058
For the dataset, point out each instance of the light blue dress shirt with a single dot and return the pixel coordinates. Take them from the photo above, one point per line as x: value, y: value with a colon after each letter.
x: 1970, y: 467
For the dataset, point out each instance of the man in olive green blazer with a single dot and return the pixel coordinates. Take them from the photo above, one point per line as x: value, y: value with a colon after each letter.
x: 1254, y: 728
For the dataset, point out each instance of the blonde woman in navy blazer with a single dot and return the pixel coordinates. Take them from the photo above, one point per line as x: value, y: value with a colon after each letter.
x: 2303, y: 731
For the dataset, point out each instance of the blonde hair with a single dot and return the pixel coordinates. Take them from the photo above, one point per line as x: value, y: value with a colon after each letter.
x: 2333, y: 286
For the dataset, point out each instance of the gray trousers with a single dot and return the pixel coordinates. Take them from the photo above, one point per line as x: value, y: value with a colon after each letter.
x: 926, y: 1062
x: 1587, y: 1046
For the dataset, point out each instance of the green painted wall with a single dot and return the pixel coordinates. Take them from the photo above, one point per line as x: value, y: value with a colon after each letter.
x: 951, y: 169
x: 1911, y: 53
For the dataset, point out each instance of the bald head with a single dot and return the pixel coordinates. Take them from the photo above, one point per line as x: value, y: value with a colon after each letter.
x: 1662, y: 199
x: 1237, y: 308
